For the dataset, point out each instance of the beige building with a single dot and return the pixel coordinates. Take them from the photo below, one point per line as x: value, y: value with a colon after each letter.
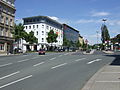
x: 81, y: 40
x: 7, y: 14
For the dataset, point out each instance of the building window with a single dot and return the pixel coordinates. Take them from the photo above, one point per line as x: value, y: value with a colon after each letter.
x: 37, y: 32
x: 0, y: 31
x: 33, y: 26
x: 11, y: 22
x: 29, y: 27
x: 1, y: 46
x: 42, y: 39
x: 26, y: 27
x: 47, y: 33
x: 42, y: 32
x: 2, y: 19
x: 42, y: 26
x: 48, y: 27
x: 37, y: 26
x: 7, y: 20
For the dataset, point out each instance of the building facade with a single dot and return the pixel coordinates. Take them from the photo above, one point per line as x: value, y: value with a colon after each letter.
x: 7, y: 14
x: 41, y: 25
x: 70, y: 33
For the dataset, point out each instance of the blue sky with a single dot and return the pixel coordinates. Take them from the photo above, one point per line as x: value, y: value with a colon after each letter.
x: 83, y: 15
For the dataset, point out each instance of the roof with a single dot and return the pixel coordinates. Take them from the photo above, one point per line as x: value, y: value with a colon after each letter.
x: 42, y: 17
x: 70, y: 27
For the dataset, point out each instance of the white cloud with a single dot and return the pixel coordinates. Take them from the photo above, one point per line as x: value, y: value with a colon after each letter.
x: 97, y: 14
x: 114, y: 22
x: 115, y: 31
x: 87, y: 21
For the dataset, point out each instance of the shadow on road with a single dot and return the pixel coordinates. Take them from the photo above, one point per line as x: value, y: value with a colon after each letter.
x: 116, y: 61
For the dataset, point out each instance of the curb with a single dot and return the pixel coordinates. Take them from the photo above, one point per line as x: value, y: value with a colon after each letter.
x: 91, y: 81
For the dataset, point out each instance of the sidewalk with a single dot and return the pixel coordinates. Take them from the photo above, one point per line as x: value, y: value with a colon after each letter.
x: 107, y: 78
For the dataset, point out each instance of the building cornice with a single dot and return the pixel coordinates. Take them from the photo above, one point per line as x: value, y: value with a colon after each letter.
x: 7, y: 38
x: 5, y: 3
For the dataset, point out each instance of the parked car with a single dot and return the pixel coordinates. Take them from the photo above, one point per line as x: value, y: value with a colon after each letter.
x: 18, y: 50
x: 41, y: 52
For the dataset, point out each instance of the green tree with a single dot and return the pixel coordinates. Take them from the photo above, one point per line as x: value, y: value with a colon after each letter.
x: 31, y: 38
x: 52, y: 37
x: 78, y: 44
x: 105, y: 34
x: 66, y: 42
x: 18, y: 33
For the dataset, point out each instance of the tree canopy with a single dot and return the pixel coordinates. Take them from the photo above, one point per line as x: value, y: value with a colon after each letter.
x: 105, y: 34
x: 19, y: 33
x: 52, y: 37
x: 31, y: 38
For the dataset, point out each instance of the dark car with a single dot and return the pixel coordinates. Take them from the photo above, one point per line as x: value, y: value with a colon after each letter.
x: 41, y: 52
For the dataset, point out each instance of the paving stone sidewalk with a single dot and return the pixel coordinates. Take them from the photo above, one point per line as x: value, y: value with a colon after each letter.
x: 107, y: 78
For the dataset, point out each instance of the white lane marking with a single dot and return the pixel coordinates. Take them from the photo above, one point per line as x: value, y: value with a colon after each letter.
x: 15, y: 81
x: 94, y: 61
x: 34, y: 57
x: 110, y: 72
x: 60, y: 55
x: 108, y: 81
x: 24, y: 55
x: 38, y: 64
x: 9, y: 75
x: 66, y: 53
x: 5, y: 64
x: 58, y: 65
x: 80, y: 59
x: 53, y: 58
x: 24, y: 60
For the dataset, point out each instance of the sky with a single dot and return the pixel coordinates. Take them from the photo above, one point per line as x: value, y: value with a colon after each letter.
x: 83, y: 15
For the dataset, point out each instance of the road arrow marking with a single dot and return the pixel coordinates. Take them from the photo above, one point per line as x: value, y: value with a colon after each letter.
x: 94, y: 61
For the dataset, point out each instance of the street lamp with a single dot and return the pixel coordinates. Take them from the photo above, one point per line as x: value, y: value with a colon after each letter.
x: 104, y: 20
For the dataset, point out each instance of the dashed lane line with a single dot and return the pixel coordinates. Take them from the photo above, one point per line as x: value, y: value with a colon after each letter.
x: 80, y: 59
x: 53, y: 58
x: 8, y: 84
x: 9, y: 75
x: 24, y: 60
x: 38, y: 64
x: 60, y: 65
x: 5, y: 65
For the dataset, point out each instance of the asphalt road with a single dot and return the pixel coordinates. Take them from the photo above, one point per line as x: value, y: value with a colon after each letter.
x: 53, y: 71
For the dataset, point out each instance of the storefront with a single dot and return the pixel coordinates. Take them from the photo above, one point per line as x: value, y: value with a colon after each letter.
x: 6, y: 45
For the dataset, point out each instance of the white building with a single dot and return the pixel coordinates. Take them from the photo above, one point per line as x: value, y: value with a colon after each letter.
x: 41, y: 25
